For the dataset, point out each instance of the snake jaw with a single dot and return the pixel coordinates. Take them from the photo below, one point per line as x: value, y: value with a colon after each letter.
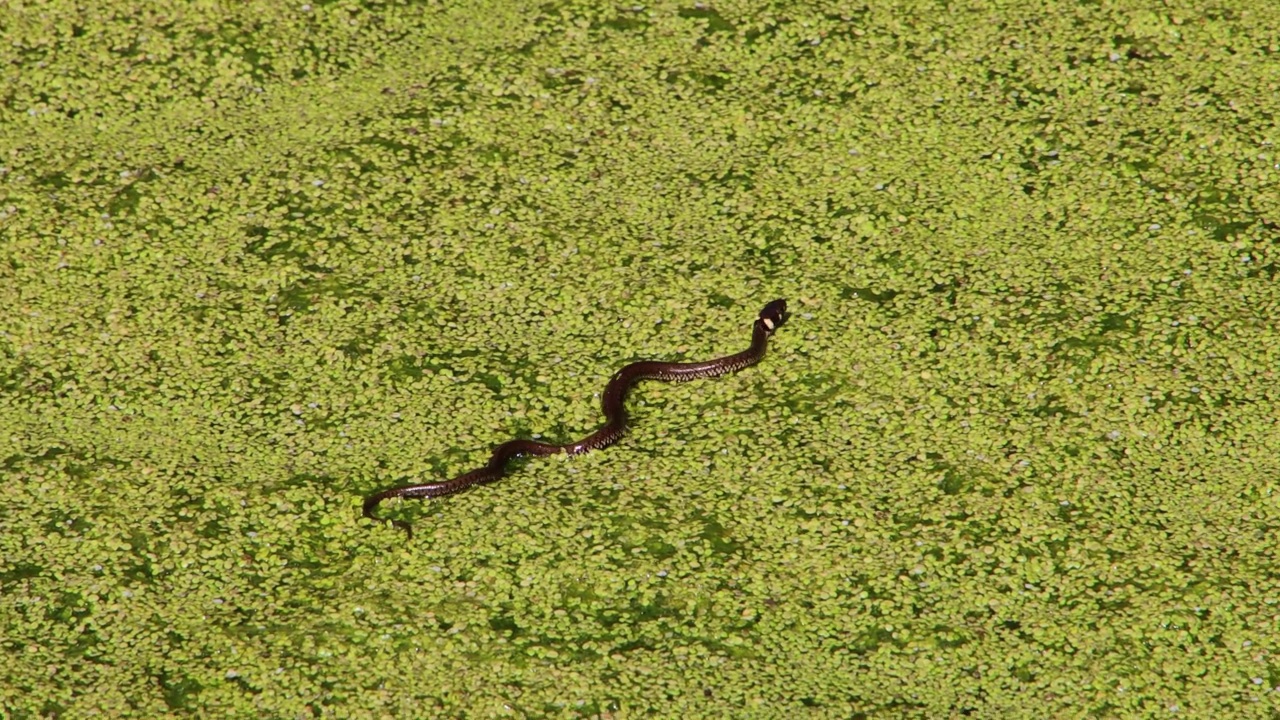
x: 774, y: 315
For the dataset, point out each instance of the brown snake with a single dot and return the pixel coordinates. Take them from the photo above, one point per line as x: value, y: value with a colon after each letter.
x: 771, y: 318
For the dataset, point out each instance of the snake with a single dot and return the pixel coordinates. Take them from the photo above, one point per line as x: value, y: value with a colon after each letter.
x: 612, y: 402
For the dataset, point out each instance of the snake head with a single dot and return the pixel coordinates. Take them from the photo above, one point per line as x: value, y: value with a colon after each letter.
x: 774, y: 314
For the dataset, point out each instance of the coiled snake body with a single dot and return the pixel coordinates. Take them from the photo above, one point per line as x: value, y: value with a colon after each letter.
x: 771, y: 318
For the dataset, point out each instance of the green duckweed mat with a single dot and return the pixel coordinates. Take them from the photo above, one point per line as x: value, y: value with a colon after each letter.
x: 1015, y: 454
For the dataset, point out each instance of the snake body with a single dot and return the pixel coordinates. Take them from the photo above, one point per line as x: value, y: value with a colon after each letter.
x: 612, y: 402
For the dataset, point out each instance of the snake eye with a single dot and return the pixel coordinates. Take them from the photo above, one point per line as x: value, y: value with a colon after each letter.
x: 774, y: 314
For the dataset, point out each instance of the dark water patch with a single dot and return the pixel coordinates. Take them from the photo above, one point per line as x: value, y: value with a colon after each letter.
x: 879, y: 298
x: 715, y: 22
x: 19, y: 572
x: 180, y: 691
